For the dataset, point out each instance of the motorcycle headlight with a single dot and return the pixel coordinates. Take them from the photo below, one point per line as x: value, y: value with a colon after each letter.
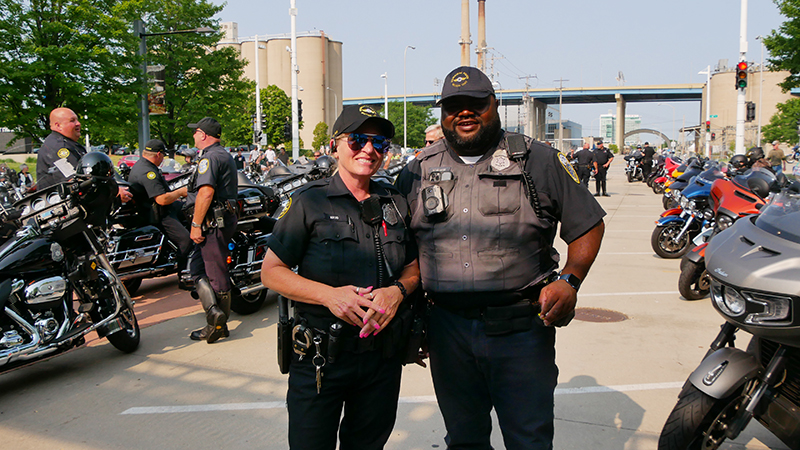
x: 708, y: 214
x: 773, y: 309
x: 724, y: 221
x: 727, y: 300
x: 676, y: 193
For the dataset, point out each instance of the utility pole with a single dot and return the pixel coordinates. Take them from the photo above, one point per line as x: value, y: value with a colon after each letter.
x: 560, y: 130
x: 258, y: 96
x: 295, y: 70
x: 740, y: 99
x: 707, y: 73
x: 529, y: 120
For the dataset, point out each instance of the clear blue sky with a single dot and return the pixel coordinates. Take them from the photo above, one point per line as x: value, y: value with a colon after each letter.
x: 584, y: 41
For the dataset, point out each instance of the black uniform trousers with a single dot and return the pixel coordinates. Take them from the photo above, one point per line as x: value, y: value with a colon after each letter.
x: 211, y: 255
x: 177, y: 233
x: 647, y: 167
x: 365, y: 384
x: 600, y: 179
x: 584, y: 173
x: 515, y: 374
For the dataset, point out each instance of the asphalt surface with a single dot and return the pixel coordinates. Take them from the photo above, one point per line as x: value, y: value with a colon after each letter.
x: 618, y: 380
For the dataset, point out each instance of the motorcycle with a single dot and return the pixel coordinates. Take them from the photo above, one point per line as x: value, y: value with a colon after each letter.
x: 794, y: 155
x: 666, y: 171
x: 672, y: 193
x: 754, y: 284
x: 633, y: 167
x: 678, y: 227
x: 56, y: 259
x: 731, y: 199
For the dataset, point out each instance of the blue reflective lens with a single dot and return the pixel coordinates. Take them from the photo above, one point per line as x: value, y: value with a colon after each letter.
x: 231, y: 246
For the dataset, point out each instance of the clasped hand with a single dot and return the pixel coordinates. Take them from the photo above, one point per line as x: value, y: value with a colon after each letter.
x: 369, y: 309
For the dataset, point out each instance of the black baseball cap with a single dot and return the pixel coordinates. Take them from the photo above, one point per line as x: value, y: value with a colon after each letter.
x: 209, y: 126
x: 468, y: 81
x: 353, y: 116
x: 155, y: 146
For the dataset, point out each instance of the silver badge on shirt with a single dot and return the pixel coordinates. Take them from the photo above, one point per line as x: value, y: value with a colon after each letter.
x: 389, y: 214
x: 500, y: 160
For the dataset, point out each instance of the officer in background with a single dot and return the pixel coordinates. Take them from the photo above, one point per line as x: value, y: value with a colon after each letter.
x: 212, y: 194
x: 154, y: 200
x: 585, y: 159
x: 602, y: 160
x: 60, y: 152
x: 486, y: 205
x: 647, y: 162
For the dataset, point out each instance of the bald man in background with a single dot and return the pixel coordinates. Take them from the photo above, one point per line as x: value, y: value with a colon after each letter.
x: 62, y: 144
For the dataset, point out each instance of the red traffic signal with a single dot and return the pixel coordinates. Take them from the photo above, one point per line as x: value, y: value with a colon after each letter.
x: 708, y: 125
x: 741, y: 75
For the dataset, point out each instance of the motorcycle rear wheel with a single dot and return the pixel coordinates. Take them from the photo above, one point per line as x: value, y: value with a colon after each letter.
x: 127, y: 339
x: 692, y: 419
x: 132, y: 285
x: 694, y: 282
x: 245, y: 304
x: 661, y: 241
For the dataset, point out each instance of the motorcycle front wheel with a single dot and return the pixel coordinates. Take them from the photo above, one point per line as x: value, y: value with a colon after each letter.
x: 694, y: 282
x: 658, y: 188
x: 669, y: 202
x: 695, y: 422
x: 132, y: 285
x: 245, y: 304
x: 663, y: 244
x: 630, y: 177
x: 126, y: 340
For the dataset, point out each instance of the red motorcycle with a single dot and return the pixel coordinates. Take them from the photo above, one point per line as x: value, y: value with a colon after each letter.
x: 731, y: 199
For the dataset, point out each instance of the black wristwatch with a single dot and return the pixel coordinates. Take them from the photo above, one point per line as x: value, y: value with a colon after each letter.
x: 572, y: 280
x: 402, y: 288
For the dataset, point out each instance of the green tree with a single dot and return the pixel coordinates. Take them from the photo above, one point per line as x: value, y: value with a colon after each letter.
x: 783, y: 125
x: 418, y: 118
x: 784, y: 44
x: 53, y: 53
x: 277, y: 108
x: 320, y: 135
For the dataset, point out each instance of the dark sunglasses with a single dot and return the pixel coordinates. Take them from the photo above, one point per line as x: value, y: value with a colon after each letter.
x: 357, y: 141
x: 429, y: 141
x: 460, y: 103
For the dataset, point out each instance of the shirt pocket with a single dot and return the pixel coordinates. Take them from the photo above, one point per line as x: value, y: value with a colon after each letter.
x: 340, y: 243
x: 394, y: 242
x: 499, y: 193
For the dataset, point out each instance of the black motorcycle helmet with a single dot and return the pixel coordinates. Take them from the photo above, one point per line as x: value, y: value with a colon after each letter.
x: 326, y: 163
x: 754, y: 154
x: 738, y: 162
x: 96, y: 164
x: 100, y: 198
x: 279, y: 171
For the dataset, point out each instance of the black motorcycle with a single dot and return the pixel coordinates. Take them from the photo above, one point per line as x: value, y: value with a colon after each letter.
x: 54, y: 261
x: 755, y: 278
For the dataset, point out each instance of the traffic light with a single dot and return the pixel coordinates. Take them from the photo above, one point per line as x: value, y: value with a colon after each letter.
x: 708, y: 125
x: 299, y: 110
x: 713, y: 136
x: 751, y: 112
x: 287, y: 131
x: 741, y: 75
x: 263, y: 121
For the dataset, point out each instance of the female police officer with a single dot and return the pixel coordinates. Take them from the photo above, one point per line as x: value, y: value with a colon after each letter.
x: 356, y: 263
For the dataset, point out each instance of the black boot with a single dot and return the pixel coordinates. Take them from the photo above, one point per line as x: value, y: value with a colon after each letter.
x: 221, y: 329
x: 215, y: 317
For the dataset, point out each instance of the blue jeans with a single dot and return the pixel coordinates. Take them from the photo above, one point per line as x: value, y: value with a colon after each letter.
x: 778, y: 169
x: 472, y: 373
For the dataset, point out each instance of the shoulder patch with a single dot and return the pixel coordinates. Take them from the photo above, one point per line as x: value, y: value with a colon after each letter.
x: 63, y: 153
x: 202, y: 167
x: 568, y: 167
x: 151, y: 175
x: 286, y: 209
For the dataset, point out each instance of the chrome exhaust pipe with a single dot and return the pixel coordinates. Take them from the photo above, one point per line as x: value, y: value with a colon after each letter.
x: 8, y: 355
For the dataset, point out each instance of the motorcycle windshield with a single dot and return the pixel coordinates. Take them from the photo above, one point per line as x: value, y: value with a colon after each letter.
x: 781, y: 216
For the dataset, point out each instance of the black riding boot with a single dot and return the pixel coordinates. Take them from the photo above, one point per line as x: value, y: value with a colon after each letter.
x: 215, y: 316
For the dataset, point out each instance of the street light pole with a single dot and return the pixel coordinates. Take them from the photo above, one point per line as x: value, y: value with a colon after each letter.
x: 144, y: 110
x: 295, y: 70
x: 760, y: 88
x: 385, y: 77
x: 405, y: 125
x: 707, y: 73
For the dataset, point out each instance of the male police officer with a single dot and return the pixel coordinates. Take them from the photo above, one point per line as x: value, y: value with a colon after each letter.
x: 602, y: 160
x: 485, y: 207
x: 60, y: 152
x: 212, y: 192
x: 155, y: 202
x: 585, y: 160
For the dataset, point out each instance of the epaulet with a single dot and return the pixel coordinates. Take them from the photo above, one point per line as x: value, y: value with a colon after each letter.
x: 433, y: 149
x: 388, y: 187
x: 323, y: 182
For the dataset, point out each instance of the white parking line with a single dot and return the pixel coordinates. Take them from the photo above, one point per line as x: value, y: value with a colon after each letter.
x: 619, y: 294
x: 418, y: 399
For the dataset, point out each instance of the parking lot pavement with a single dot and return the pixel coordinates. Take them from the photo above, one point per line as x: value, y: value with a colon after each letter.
x: 618, y: 380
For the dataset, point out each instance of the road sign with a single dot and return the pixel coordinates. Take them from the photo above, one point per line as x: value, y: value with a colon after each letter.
x: 713, y: 116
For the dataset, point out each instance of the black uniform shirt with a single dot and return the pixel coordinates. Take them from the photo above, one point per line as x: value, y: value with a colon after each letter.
x: 146, y: 182
x: 322, y: 233
x: 585, y: 157
x: 216, y: 169
x: 602, y: 156
x: 561, y: 196
x: 54, y: 148
x: 648, y: 154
